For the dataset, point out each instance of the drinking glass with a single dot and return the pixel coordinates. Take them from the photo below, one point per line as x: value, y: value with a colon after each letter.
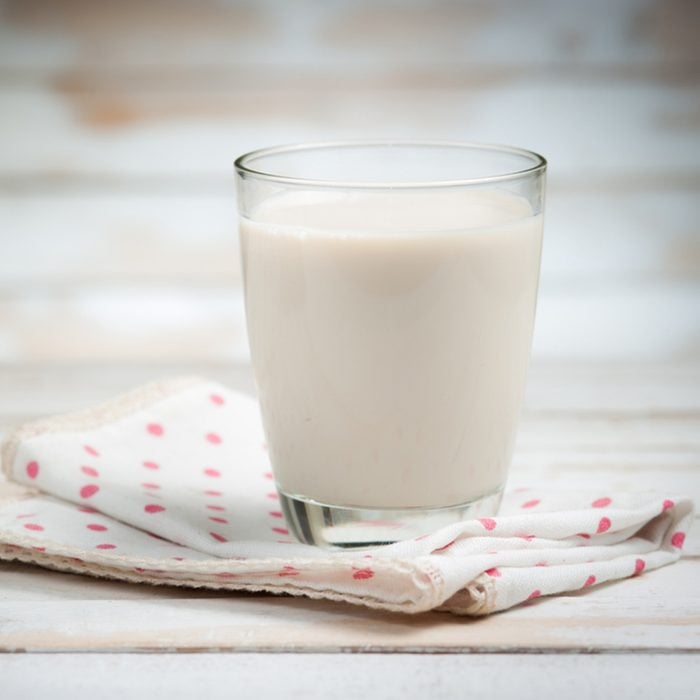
x: 390, y: 292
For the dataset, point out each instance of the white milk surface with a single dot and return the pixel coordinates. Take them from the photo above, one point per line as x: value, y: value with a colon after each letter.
x: 390, y: 334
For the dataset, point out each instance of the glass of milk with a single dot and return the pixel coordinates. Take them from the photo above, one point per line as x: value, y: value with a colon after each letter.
x: 390, y: 292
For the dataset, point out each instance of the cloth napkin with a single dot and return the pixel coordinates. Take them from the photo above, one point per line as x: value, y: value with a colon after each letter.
x: 171, y: 484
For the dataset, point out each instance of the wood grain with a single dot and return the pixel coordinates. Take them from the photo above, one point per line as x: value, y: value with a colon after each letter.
x: 85, y: 241
x: 395, y: 677
x: 181, y: 324
x: 661, y: 612
x: 81, y: 33
x: 620, y: 129
x: 117, y: 213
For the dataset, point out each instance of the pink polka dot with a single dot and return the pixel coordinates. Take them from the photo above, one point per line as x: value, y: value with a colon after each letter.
x: 96, y: 527
x: 589, y: 581
x: 601, y: 502
x: 151, y: 465
x: 363, y: 573
x: 276, y: 513
x: 531, y: 504
x: 34, y: 526
x: 678, y: 539
x: 535, y: 594
x: 488, y: 523
x: 288, y: 571
x: 218, y: 537
x: 214, y: 507
x: 639, y: 566
x: 33, y: 470
x: 584, y: 535
x: 217, y: 519
x: 153, y: 508
x: 269, y: 475
x: 39, y: 549
x: 273, y: 496
x: 217, y: 399
x: 87, y: 509
x: 212, y: 492
x: 26, y: 515
x: 603, y: 525
x: 178, y: 558
x: 280, y: 530
x: 105, y: 546
x: 90, y: 471
x: 214, y: 473
x: 668, y: 503
x: 150, y: 485
x: 493, y: 572
x: 155, y: 429
x: 91, y: 450
x: 89, y: 490
x: 213, y: 438
x: 541, y: 563
x: 225, y: 574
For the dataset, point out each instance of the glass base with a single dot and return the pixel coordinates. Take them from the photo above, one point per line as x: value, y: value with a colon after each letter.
x: 337, y: 526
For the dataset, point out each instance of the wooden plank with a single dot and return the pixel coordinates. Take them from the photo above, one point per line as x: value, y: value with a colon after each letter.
x: 623, y: 130
x: 30, y: 391
x: 602, y: 474
x: 609, y: 399
x: 139, y: 116
x: 609, y: 402
x: 573, y: 389
x: 555, y: 389
x: 382, y: 677
x: 614, y: 389
x: 175, y: 323
x: 126, y: 324
x: 107, y: 240
x: 156, y: 275
x: 659, y: 611
x: 110, y: 238
x: 51, y: 39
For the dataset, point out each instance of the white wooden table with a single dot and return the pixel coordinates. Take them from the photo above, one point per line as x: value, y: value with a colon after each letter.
x: 587, y: 426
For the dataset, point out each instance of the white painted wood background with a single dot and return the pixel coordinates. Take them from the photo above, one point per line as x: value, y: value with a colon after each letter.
x: 119, y: 124
x: 119, y: 263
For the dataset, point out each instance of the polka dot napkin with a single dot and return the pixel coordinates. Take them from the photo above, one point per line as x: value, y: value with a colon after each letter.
x: 170, y: 484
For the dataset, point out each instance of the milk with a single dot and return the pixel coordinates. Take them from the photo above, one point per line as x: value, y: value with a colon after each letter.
x: 390, y: 334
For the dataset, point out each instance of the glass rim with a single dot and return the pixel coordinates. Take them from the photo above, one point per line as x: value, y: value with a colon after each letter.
x: 242, y: 164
